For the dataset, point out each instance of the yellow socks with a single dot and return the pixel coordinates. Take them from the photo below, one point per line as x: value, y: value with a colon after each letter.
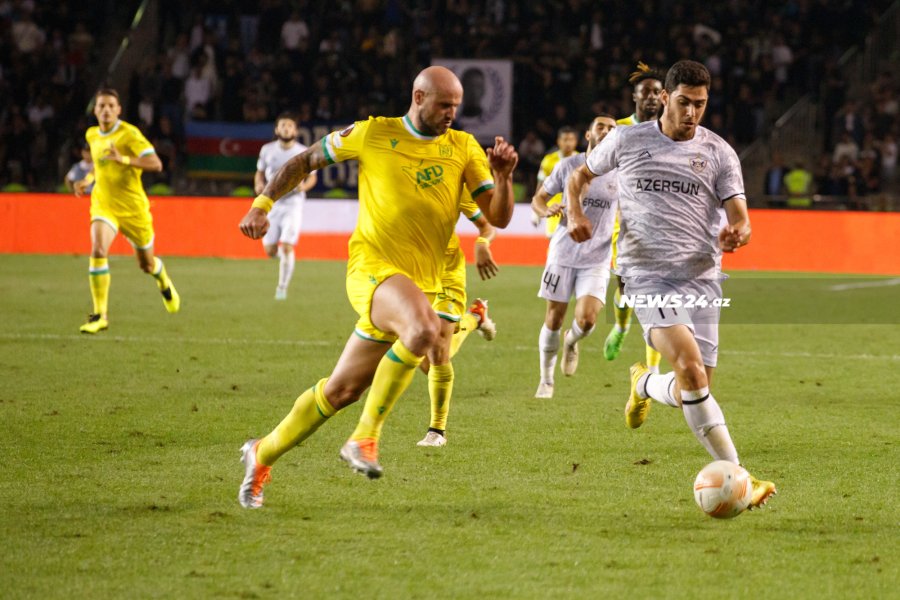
x: 467, y: 324
x: 622, y: 312
x: 310, y: 410
x: 653, y: 359
x: 159, y: 272
x: 392, y: 377
x: 440, y: 389
x: 99, y: 278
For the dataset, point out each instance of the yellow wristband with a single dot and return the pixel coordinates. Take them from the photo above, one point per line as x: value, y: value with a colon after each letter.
x: 89, y: 178
x: 483, y: 240
x: 263, y: 203
x: 126, y: 160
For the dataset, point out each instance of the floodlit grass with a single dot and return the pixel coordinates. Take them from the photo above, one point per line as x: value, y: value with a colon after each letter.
x: 120, y: 453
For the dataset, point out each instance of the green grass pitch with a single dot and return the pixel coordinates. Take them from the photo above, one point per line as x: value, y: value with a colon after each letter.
x: 119, y: 468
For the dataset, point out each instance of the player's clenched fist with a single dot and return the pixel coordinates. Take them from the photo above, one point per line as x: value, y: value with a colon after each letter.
x: 255, y: 223
x: 580, y: 228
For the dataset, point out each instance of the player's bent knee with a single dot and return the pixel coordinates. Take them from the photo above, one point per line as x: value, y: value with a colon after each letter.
x: 692, y: 372
x: 340, y: 394
x: 423, y: 335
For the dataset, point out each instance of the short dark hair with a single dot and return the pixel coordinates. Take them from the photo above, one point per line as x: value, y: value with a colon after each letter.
x: 603, y: 115
x: 566, y: 129
x: 643, y: 73
x: 108, y: 91
x: 286, y: 115
x: 687, y: 72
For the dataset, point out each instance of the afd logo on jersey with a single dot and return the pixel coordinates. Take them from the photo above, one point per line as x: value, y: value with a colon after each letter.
x: 425, y: 176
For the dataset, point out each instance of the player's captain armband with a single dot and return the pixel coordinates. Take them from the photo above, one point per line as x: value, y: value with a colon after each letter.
x: 263, y: 203
x: 483, y: 240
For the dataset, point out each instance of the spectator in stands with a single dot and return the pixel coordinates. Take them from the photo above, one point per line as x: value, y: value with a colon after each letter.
x: 798, y: 183
x: 846, y: 148
x: 773, y: 183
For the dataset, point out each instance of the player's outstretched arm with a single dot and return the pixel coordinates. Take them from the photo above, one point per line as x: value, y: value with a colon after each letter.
x: 497, y: 204
x: 737, y: 232
x: 255, y: 224
x: 579, y: 226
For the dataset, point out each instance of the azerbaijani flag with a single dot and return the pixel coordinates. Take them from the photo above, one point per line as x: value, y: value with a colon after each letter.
x: 218, y: 150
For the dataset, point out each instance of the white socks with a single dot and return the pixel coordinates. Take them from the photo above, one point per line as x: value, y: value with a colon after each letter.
x: 576, y: 333
x: 548, y: 344
x: 705, y: 418
x: 286, y: 261
x: 659, y: 387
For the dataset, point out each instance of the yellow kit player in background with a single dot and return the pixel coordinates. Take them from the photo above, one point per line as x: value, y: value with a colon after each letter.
x: 118, y: 203
x: 647, y: 107
x: 566, y: 146
x: 412, y: 171
x: 457, y: 323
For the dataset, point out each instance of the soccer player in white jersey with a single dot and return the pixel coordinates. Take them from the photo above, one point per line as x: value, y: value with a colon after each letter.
x: 579, y: 270
x: 673, y: 177
x: 287, y: 215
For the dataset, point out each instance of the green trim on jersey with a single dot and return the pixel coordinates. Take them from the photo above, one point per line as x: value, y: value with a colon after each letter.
x: 483, y: 188
x: 328, y: 156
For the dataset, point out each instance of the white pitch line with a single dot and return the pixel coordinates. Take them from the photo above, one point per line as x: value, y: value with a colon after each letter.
x: 843, y: 287
x: 269, y: 342
x: 162, y: 340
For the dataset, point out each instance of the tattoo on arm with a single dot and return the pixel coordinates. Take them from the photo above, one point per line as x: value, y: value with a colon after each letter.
x: 293, y: 171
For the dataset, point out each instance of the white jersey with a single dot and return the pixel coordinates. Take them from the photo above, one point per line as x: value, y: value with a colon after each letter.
x: 271, y: 158
x: 599, y: 206
x: 670, y: 194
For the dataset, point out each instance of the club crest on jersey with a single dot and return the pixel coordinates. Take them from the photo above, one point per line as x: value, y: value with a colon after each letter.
x: 445, y: 150
x: 698, y: 164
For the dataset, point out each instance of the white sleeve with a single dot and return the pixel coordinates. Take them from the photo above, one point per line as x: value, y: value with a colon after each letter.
x: 729, y: 180
x: 602, y: 158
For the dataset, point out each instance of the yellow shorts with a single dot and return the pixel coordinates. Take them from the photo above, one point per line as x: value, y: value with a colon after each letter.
x: 362, y: 281
x: 137, y: 228
x: 450, y: 303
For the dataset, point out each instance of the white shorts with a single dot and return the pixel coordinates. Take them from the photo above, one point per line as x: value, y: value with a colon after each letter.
x: 284, y: 225
x: 702, y: 321
x: 559, y: 284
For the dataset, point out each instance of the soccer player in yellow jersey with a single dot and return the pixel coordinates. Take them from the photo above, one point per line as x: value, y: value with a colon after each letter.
x: 118, y: 203
x: 566, y: 146
x: 456, y: 322
x: 411, y: 173
x: 647, y: 107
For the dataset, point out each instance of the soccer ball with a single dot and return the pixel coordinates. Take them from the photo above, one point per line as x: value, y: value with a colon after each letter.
x: 723, y: 489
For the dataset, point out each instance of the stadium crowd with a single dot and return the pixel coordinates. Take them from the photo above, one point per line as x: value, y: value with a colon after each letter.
x: 243, y: 60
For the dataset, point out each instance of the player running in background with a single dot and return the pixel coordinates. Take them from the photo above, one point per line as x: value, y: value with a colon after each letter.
x: 286, y: 216
x: 412, y: 172
x: 80, y: 170
x: 456, y: 322
x: 674, y: 175
x: 648, y: 85
x: 118, y: 203
x: 573, y: 269
x: 566, y: 146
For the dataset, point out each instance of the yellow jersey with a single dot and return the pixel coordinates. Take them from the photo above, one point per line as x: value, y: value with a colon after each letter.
x: 630, y: 120
x: 472, y: 213
x: 410, y: 192
x: 118, y: 188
